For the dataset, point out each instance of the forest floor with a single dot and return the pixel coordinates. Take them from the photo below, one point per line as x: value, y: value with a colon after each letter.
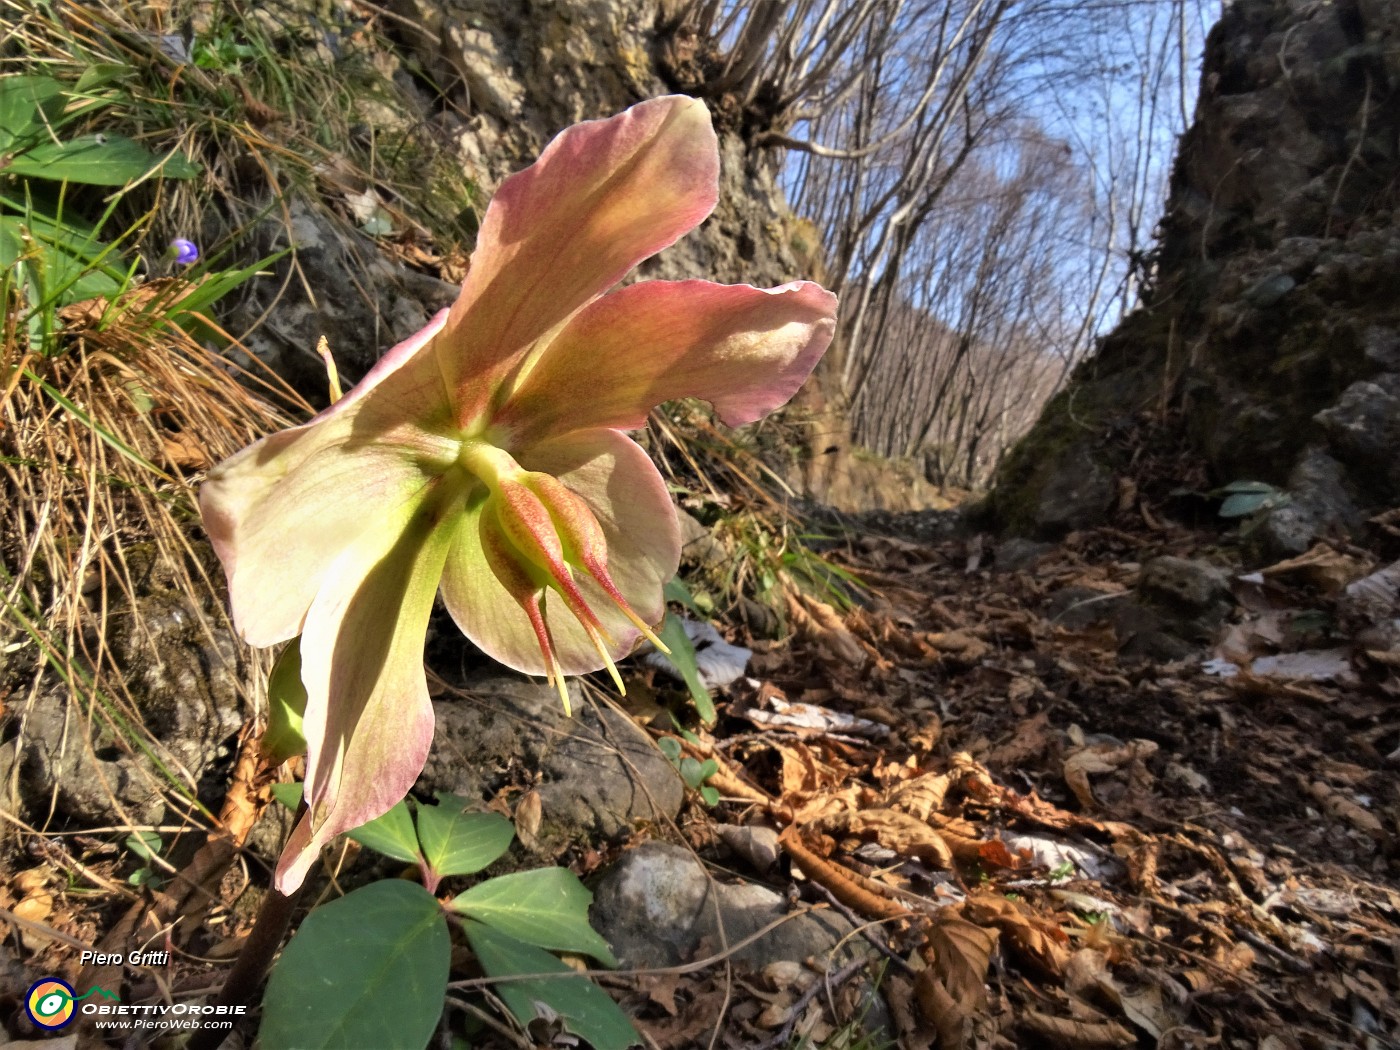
x: 1056, y: 818
x: 1081, y: 832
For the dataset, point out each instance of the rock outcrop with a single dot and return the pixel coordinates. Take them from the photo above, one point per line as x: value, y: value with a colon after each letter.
x: 1268, y: 343
x: 478, y: 87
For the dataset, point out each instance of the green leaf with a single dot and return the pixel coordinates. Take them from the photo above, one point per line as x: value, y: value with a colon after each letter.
x: 547, y: 907
x: 671, y: 748
x: 676, y: 591
x: 145, y: 844
x: 456, y: 842
x: 683, y: 659
x: 96, y: 160
x: 392, y: 835
x: 288, y: 794
x: 185, y: 311
x: 22, y: 100
x: 1242, y: 503
x: 367, y: 970
x: 65, y: 260
x: 286, y: 701
x: 585, y: 1009
x: 692, y: 772
x: 100, y: 74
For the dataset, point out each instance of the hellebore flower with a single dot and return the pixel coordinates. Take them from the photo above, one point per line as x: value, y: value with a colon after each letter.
x: 484, y: 458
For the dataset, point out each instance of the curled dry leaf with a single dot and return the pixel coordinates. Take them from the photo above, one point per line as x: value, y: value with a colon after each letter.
x: 1075, y: 1035
x: 952, y: 990
x: 1088, y: 977
x: 967, y: 848
x: 820, y: 623
x: 528, y: 813
x: 1322, y: 567
x: 961, y: 646
x: 810, y: 716
x: 906, y: 835
x: 1031, y: 740
x: 1340, y: 806
x: 921, y: 797
x: 1036, y: 942
x: 1105, y: 757
x: 852, y: 889
x: 914, y: 1032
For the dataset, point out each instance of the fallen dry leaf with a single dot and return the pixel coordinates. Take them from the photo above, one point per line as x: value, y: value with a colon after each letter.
x: 1076, y: 1035
x: 820, y: 623
x: 906, y: 835
x: 1339, y: 805
x: 921, y: 797
x: 1106, y: 757
x: 1321, y: 566
x: 529, y: 811
x: 1032, y: 938
x: 952, y: 990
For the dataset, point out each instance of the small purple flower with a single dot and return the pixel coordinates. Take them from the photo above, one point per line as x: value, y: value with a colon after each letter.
x: 185, y: 251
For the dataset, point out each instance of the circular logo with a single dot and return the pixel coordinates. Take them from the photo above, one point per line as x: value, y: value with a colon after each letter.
x: 50, y: 1003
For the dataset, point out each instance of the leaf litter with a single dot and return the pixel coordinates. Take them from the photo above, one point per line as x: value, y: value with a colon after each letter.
x: 1043, y: 838
x: 1055, y: 841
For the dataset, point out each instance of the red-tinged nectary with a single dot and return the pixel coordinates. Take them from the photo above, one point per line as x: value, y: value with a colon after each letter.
x: 484, y: 458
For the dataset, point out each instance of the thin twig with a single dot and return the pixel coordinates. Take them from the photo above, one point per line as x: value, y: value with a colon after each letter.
x: 829, y: 982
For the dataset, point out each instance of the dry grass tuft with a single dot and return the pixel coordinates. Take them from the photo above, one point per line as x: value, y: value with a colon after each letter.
x: 100, y: 446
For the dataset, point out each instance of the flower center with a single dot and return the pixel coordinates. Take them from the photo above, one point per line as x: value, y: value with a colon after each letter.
x: 537, y: 535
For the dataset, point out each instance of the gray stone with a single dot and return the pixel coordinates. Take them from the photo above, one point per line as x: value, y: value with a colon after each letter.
x: 1273, y: 283
x: 659, y: 906
x: 1319, y: 503
x: 1363, y: 432
x: 1145, y: 633
x: 1269, y: 290
x: 1186, y: 589
x: 1019, y: 553
x: 1076, y: 495
x: 1382, y: 348
x: 699, y: 548
x: 1075, y: 608
x: 344, y: 289
x: 599, y: 774
x: 183, y: 675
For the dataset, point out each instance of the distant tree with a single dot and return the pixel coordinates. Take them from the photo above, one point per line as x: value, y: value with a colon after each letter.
x: 985, y: 175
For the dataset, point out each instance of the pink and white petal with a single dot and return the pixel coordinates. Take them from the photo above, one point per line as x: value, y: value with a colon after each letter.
x: 603, y: 196
x: 746, y: 350
x: 413, y: 385
x: 279, y: 512
x: 629, y: 499
x: 368, y: 720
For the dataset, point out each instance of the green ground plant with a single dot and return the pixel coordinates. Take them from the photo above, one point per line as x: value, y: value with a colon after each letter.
x: 390, y: 942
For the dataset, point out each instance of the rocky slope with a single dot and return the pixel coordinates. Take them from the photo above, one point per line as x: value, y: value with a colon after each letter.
x: 1268, y: 346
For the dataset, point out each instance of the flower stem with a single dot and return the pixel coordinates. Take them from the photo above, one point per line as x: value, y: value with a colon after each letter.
x: 243, y: 981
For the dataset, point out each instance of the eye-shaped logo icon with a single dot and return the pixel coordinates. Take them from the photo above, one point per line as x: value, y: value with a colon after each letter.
x: 50, y: 1003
